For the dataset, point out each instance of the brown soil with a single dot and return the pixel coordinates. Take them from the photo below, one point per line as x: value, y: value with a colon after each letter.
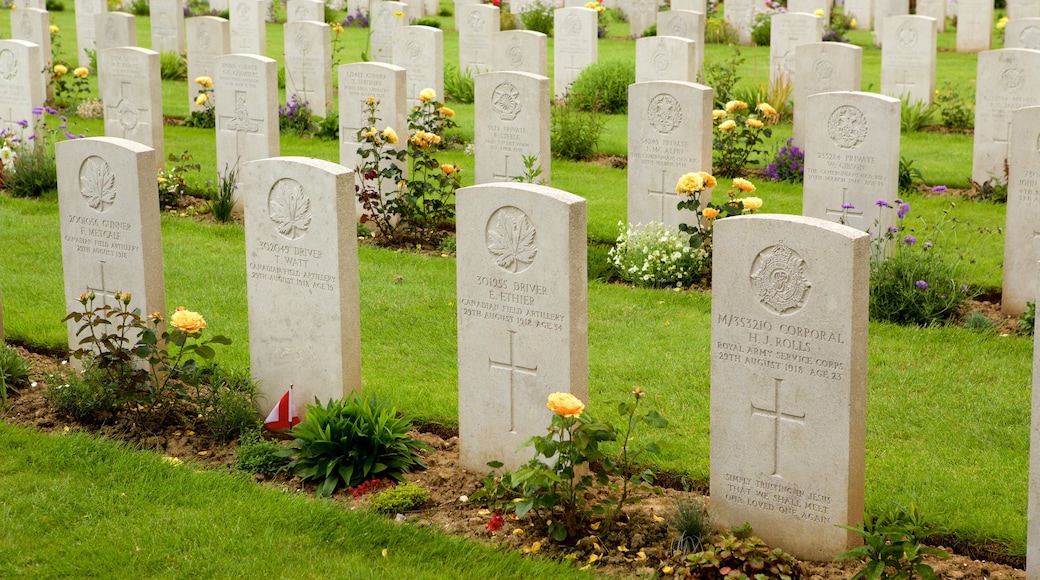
x: 636, y: 548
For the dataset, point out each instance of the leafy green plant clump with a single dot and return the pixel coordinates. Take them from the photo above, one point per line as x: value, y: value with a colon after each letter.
x: 655, y: 255
x: 574, y: 134
x: 893, y: 545
x: 603, y: 87
x: 403, y: 497
x: 734, y: 554
x: 255, y: 454
x: 14, y: 372
x: 350, y: 441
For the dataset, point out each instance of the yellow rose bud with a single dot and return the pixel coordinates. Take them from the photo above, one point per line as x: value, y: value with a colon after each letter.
x: 201, y: 99
x: 745, y: 186
x: 337, y: 28
x: 390, y: 135
x: 710, y: 213
x: 370, y: 100
x: 752, y: 203
x: 370, y: 133
x: 818, y: 12
x: 565, y: 405
x: 735, y: 106
x: 427, y: 95
x: 447, y: 112
x: 60, y: 69
x: 204, y: 82
x: 187, y: 321
x: 728, y: 125
x: 81, y: 72
x: 754, y: 123
x: 766, y: 109
x: 55, y: 29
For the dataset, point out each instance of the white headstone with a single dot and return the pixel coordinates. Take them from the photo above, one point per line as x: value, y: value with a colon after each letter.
x: 641, y: 14
x: 386, y: 84
x: 974, y: 25
x: 787, y: 32
x: 385, y: 18
x: 21, y: 88
x: 511, y: 114
x: 1022, y: 33
x: 1022, y: 234
x: 789, y: 380
x: 852, y: 159
x: 908, y: 59
x: 822, y: 67
x: 34, y: 25
x: 131, y: 88
x: 521, y: 51
x: 691, y: 5
x: 933, y: 9
x: 305, y: 10
x: 882, y: 10
x: 248, y: 25
x: 308, y: 64
x: 209, y: 38
x: 415, y: 10
x: 1033, y: 505
x: 741, y: 14
x: 1006, y: 80
x: 115, y: 29
x: 246, y: 89
x: 167, y: 20
x: 34, y: 4
x: 478, y: 25
x: 1017, y: 9
x: 522, y: 314
x: 301, y: 256
x: 421, y: 54
x: 108, y: 201
x: 684, y: 24
x: 669, y: 135
x: 862, y: 11
x: 456, y: 4
x: 85, y: 33
x: 666, y: 58
x: 574, y: 45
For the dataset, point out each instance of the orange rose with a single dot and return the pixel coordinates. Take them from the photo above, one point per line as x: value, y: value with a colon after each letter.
x: 187, y: 321
x: 565, y: 405
x: 710, y: 213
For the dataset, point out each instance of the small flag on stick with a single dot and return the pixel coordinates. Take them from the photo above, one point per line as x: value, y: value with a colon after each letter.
x: 283, y: 416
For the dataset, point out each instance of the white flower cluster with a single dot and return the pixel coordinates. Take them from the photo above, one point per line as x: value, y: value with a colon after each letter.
x: 656, y: 255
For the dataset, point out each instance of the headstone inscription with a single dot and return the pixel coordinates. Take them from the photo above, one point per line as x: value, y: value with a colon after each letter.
x: 882, y: 10
x: 246, y: 90
x: 167, y: 20
x: 521, y: 51
x: 787, y: 32
x: 822, y: 67
x: 85, y: 33
x: 1022, y: 33
x: 1006, y: 80
x: 478, y: 25
x: 248, y: 26
x: 574, y: 46
x: 209, y: 38
x: 386, y: 17
x: 684, y: 24
x: 908, y: 59
x: 1022, y: 231
x: 666, y: 58
x: 974, y: 25
x: 512, y: 125
x: 21, y: 89
x: 115, y: 29
x: 421, y: 54
x: 131, y: 89
x: 308, y: 64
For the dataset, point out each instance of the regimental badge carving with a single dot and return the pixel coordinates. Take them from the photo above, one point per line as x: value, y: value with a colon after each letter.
x: 111, y: 33
x: 511, y: 239
x: 476, y: 20
x: 678, y: 27
x: 847, y: 127
x: 289, y: 208
x: 515, y: 54
x: 1012, y: 79
x: 1030, y: 37
x: 505, y: 101
x: 823, y: 69
x: 26, y: 25
x: 662, y: 60
x: 205, y: 38
x: 778, y: 278
x: 127, y: 114
x: 242, y: 9
x: 97, y: 184
x: 907, y: 35
x: 664, y: 113
x: 572, y: 24
x: 8, y: 65
x: 303, y: 43
x: 414, y: 50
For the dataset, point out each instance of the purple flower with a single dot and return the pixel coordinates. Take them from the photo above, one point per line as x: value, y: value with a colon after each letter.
x: 964, y: 287
x: 892, y: 229
x: 921, y: 285
x: 939, y: 189
x: 31, y: 137
x: 904, y: 208
x: 909, y: 240
x: 882, y: 203
x: 37, y: 110
x: 847, y: 206
x: 64, y: 119
x: 23, y: 123
x: 51, y: 110
x: 69, y: 135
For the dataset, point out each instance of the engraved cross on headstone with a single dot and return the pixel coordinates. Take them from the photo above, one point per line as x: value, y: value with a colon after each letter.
x: 1005, y: 140
x: 513, y: 369
x: 905, y: 84
x: 662, y: 194
x: 844, y: 213
x: 240, y: 123
x: 102, y: 289
x: 8, y: 124
x: 165, y: 31
x: 504, y: 176
x: 125, y: 113
x: 776, y: 415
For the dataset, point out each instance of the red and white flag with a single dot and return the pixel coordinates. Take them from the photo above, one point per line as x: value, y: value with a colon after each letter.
x: 283, y: 416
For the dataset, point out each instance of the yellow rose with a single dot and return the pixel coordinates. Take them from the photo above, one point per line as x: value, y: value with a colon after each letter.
x: 55, y: 29
x: 201, y: 99
x: 448, y: 169
x: 728, y: 125
x: 447, y: 112
x: 187, y: 321
x: 745, y: 186
x: 718, y: 114
x: 370, y: 133
x: 81, y: 72
x: 707, y: 178
x: 752, y: 203
x: 735, y: 106
x: 60, y: 69
x: 818, y: 12
x: 565, y: 405
x: 398, y: 14
x: 689, y: 184
x: 852, y: 23
x: 390, y: 135
x: 337, y: 28
x: 1002, y: 23
x: 370, y: 100
x: 204, y: 82
x: 710, y: 213
x: 754, y: 123
x: 427, y: 95
x: 766, y: 109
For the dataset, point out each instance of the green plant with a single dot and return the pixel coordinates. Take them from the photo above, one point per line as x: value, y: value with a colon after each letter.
x: 377, y: 178
x: 14, y: 372
x: 958, y: 112
x: 350, y: 441
x: 55, y: 6
x: 172, y: 66
x: 431, y: 22
x: 538, y: 16
x: 718, y: 30
x: 1027, y: 322
x: 574, y: 134
x: 722, y: 76
x: 655, y: 255
x: 458, y: 84
x: 739, y: 135
x: 736, y: 554
x: 223, y: 202
x: 327, y: 126
x: 294, y: 117
x: 255, y: 454
x: 761, y: 28
x: 139, y: 7
x: 693, y: 522
x: 428, y: 196
x: 603, y: 87
x: 839, y: 25
x: 909, y: 176
x: 788, y: 164
x: 690, y: 188
x: 83, y: 396
x: 172, y: 186
x: 978, y: 322
x: 207, y: 117
x: 916, y: 116
x: 68, y: 92
x: 993, y: 189
x: 400, y: 498
x: 893, y: 540
x: 226, y: 402
x: 532, y: 170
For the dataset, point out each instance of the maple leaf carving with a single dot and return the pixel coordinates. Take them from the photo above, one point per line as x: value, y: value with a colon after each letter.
x: 290, y: 209
x: 97, y: 184
x: 512, y: 241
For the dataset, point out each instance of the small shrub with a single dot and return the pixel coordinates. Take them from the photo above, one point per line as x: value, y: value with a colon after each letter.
x: 655, y: 255
x: 915, y: 116
x: 909, y: 176
x: 1027, y: 322
x: 722, y: 76
x: 255, y: 454
x: 227, y: 402
x: 172, y: 185
x: 691, y: 187
x: 458, y: 84
x: 328, y: 126
x: 761, y: 29
x: 91, y: 109
x: 574, y: 134
x: 295, y: 117
x: 958, y: 112
x: 603, y: 86
x: 738, y: 136
x: 893, y: 541
x: 736, y: 554
x: 692, y: 521
x: 978, y: 322
x: 55, y: 6
x: 720, y: 31
x: 223, y: 202
x: 35, y: 171
x: 139, y: 8
x: 538, y: 17
x: 172, y: 66
x: 84, y: 396
x: 431, y: 22
x: 353, y: 440
x: 838, y: 27
x: 403, y: 497
x: 14, y: 372
x: 788, y: 164
x: 993, y: 189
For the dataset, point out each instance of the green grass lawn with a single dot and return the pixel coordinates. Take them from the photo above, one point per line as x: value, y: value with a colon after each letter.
x: 948, y: 418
